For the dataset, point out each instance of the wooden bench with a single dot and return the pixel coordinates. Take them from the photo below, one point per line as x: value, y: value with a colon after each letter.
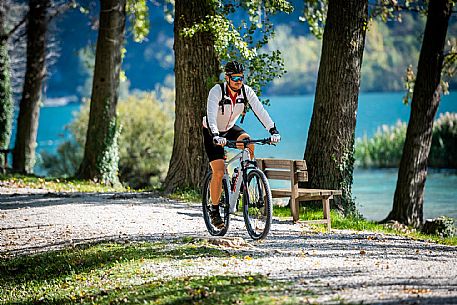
x: 295, y: 171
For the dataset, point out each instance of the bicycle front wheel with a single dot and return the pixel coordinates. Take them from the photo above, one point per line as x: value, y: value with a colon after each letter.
x: 224, y: 207
x: 257, y: 204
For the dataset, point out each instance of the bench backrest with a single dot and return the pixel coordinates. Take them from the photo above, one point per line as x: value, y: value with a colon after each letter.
x: 282, y: 169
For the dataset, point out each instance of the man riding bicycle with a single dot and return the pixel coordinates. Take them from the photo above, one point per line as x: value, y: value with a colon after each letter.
x: 226, y: 102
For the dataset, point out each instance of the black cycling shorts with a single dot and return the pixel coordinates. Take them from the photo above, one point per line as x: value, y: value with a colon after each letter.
x: 214, y: 151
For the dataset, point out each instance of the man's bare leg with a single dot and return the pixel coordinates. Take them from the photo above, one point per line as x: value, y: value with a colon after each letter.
x: 250, y: 146
x: 217, y: 167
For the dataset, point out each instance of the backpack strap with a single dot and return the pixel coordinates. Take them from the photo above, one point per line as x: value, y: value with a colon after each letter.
x: 245, y: 103
x: 221, y: 102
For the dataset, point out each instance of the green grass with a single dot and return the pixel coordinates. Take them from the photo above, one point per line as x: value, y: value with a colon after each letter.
x: 358, y: 224
x: 112, y: 273
x: 188, y: 195
x: 57, y: 184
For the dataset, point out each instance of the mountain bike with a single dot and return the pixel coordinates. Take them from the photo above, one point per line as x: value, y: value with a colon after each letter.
x: 247, y: 179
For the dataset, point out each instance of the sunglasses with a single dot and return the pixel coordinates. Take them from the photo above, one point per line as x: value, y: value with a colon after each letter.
x: 237, y: 78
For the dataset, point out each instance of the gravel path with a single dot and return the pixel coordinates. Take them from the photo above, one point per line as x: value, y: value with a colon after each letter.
x: 339, y: 267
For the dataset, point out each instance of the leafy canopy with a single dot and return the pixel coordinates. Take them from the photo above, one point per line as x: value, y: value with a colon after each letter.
x: 243, y: 40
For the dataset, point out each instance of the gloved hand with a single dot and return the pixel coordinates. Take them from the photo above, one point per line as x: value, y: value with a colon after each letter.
x: 275, y: 137
x: 219, y: 140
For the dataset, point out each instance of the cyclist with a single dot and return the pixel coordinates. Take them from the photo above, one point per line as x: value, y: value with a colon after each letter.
x: 222, y: 112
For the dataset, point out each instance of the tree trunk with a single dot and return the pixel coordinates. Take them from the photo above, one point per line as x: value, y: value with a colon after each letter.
x: 196, y: 70
x: 6, y: 100
x: 409, y: 194
x: 29, y: 107
x: 329, y: 149
x: 101, y: 154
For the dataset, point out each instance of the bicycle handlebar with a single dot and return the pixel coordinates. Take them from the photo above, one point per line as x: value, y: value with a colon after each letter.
x: 232, y: 143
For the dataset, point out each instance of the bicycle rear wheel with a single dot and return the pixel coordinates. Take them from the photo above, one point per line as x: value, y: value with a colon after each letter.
x: 257, y: 205
x: 224, y: 207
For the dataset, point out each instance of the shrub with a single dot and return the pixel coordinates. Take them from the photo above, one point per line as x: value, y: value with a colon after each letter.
x: 385, y: 149
x: 442, y: 226
x: 145, y: 142
x: 443, y: 152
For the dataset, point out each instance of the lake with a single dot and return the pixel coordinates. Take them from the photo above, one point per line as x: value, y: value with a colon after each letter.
x: 373, y: 189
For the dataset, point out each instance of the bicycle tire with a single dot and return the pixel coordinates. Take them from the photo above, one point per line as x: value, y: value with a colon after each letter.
x: 224, y: 207
x: 257, y: 204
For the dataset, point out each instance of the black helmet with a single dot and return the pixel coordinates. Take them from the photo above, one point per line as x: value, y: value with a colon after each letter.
x: 233, y: 67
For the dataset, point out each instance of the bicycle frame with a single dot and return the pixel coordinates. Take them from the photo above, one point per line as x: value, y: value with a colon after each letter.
x: 241, y: 157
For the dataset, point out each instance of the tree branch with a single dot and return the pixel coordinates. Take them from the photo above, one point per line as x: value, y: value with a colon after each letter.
x: 14, y: 29
x: 62, y: 9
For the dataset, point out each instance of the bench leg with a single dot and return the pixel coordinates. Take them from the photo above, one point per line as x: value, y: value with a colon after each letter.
x: 294, y: 208
x: 326, y: 207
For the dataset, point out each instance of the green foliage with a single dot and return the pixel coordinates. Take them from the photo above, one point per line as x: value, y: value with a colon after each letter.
x: 390, y: 49
x: 57, y: 185
x: 410, y: 79
x: 449, y: 64
x: 107, y: 163
x: 301, y: 61
x: 145, y: 141
x: 443, y: 151
x: 65, y: 163
x: 244, y: 41
x: 388, y: 52
x: 315, y: 14
x: 6, y: 99
x: 346, y: 170
x: 387, y: 10
x: 442, y: 226
x: 139, y: 18
x: 385, y: 149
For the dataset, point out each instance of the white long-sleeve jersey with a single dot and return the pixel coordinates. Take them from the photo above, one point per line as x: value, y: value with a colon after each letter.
x: 217, y: 121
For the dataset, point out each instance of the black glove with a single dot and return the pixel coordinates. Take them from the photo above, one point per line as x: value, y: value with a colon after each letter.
x: 273, y: 130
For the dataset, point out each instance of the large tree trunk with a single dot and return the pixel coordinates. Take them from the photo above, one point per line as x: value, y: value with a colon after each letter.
x: 6, y: 100
x: 329, y: 149
x: 101, y: 155
x: 409, y: 194
x: 196, y: 69
x: 29, y: 108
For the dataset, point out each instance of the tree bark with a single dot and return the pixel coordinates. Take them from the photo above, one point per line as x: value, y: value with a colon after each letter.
x: 329, y: 148
x: 29, y: 107
x: 6, y: 100
x: 196, y: 70
x: 409, y: 193
x: 101, y: 155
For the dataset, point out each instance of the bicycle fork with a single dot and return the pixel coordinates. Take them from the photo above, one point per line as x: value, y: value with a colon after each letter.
x: 234, y: 192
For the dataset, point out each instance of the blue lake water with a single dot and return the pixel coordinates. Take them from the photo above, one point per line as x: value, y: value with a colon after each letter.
x: 373, y: 189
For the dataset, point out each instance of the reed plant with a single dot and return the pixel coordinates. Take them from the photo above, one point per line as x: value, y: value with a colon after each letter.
x: 385, y: 148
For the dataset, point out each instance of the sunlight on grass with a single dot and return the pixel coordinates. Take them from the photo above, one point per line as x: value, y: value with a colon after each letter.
x: 187, y: 195
x: 358, y: 224
x: 113, y: 273
x: 58, y: 185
